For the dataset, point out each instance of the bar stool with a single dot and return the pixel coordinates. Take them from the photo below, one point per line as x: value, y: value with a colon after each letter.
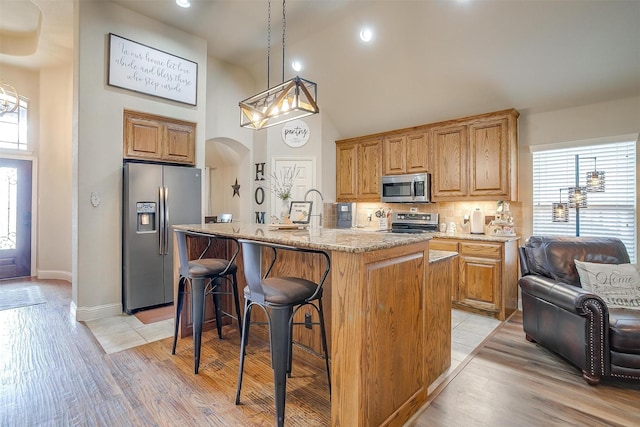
x: 280, y: 298
x: 202, y: 277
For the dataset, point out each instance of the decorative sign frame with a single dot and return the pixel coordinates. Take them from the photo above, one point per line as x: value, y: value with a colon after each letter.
x: 143, y: 69
x: 300, y: 212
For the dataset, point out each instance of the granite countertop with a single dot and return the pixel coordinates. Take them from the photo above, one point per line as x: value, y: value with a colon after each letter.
x: 329, y: 239
x: 436, y: 255
x: 481, y: 237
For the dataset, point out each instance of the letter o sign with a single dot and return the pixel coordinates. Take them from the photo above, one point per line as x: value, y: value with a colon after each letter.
x: 259, y: 195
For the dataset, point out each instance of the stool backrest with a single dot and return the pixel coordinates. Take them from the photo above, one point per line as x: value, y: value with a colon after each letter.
x: 183, y: 256
x: 183, y: 253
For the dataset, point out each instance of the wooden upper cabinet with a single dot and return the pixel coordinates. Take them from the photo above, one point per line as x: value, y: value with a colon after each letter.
x: 489, y: 164
x: 418, y: 152
x: 472, y: 158
x: 394, y: 153
x: 449, y: 160
x: 476, y: 158
x: 405, y: 153
x: 358, y: 169
x: 160, y: 139
x: 369, y: 170
x: 346, y: 171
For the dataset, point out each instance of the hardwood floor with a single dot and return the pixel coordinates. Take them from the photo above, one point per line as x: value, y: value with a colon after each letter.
x: 54, y: 373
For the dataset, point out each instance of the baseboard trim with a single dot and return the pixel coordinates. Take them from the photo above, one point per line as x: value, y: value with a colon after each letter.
x: 54, y: 275
x: 84, y: 314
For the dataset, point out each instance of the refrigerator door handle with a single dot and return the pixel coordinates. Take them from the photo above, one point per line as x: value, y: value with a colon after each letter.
x: 166, y: 221
x: 161, y: 221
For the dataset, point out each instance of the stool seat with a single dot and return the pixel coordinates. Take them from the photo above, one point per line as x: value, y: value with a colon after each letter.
x: 286, y: 290
x: 210, y: 267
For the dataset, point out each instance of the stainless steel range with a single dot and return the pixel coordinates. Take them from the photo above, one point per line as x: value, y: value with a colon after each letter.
x: 414, y: 222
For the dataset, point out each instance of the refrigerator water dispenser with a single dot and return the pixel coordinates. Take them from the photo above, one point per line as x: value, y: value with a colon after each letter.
x: 146, y: 214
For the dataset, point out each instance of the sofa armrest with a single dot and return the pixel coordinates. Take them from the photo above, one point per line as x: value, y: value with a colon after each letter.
x: 568, y: 297
x: 554, y: 313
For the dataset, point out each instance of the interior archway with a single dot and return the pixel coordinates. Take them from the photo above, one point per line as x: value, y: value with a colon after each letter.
x: 227, y: 163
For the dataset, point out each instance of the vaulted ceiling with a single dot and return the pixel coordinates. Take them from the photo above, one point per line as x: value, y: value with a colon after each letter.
x: 429, y: 60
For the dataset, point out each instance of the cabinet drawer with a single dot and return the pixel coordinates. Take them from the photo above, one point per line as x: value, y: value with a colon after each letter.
x: 485, y: 250
x: 443, y: 245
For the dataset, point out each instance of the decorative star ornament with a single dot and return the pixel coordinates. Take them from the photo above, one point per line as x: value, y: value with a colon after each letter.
x: 236, y: 188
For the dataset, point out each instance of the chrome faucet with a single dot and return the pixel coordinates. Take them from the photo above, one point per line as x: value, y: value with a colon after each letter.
x: 313, y: 190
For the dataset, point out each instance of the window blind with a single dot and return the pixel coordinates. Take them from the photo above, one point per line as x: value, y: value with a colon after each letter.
x: 611, y: 213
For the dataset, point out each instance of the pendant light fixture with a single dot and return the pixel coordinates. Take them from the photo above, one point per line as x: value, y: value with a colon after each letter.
x: 287, y: 101
x: 595, y: 179
x: 9, y: 98
x: 560, y: 211
x: 578, y: 194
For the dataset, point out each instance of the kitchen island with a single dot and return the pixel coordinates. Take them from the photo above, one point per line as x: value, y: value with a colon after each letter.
x: 389, y: 321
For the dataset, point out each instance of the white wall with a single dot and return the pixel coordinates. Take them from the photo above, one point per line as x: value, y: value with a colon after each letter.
x: 54, y: 170
x: 605, y: 119
x: 97, y: 273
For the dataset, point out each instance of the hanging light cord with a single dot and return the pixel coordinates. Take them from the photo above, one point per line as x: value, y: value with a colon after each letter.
x: 284, y: 30
x: 268, y: 43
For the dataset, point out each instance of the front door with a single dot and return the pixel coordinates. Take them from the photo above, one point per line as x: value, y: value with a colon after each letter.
x: 15, y: 218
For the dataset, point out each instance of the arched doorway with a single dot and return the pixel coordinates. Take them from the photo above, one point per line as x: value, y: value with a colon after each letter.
x: 227, y: 165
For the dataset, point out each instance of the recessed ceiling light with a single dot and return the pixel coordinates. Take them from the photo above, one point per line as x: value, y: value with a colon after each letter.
x: 366, y: 35
x: 296, y: 65
x: 183, y: 3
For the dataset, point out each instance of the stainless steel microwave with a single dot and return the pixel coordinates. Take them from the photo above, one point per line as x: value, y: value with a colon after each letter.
x: 409, y: 188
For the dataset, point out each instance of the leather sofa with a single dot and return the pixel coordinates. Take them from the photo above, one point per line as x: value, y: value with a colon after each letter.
x: 561, y: 316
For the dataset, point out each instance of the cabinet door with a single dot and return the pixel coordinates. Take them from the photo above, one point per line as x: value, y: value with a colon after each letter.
x: 489, y: 158
x: 394, y: 154
x: 346, y: 173
x: 417, y: 152
x: 479, y: 285
x: 143, y: 139
x: 369, y: 170
x: 179, y: 143
x: 449, y: 162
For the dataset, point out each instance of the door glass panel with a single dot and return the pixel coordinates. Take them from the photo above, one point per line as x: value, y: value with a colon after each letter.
x: 8, y: 204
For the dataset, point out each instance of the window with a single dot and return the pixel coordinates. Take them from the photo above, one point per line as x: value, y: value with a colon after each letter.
x: 13, y: 127
x: 608, y: 213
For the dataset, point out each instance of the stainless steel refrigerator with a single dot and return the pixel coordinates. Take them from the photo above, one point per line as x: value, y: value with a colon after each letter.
x: 154, y: 198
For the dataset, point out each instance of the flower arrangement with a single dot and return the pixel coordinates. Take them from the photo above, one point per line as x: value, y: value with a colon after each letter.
x: 282, y: 184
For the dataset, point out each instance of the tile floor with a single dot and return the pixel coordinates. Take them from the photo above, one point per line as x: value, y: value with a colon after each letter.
x: 121, y: 332
x: 124, y: 331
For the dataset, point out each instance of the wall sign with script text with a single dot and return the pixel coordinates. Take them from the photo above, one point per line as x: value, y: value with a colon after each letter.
x: 295, y: 133
x: 144, y: 69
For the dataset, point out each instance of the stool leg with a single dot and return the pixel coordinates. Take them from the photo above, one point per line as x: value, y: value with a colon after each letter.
x: 217, y: 303
x: 197, y: 311
x: 280, y: 342
x: 234, y: 290
x: 176, y: 321
x: 244, y: 338
x: 323, y: 333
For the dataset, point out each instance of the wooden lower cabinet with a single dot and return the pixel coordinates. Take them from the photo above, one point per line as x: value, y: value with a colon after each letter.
x: 487, y: 275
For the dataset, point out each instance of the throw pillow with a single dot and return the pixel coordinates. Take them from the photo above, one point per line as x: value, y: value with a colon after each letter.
x: 617, y: 284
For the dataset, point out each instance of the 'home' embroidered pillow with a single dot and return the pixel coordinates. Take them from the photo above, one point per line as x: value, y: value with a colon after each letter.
x: 617, y: 284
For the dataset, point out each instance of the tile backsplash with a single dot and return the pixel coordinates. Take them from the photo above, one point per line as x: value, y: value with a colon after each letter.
x: 448, y: 211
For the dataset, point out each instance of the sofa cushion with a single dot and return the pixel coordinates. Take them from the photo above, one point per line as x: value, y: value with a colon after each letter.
x: 617, y: 284
x: 553, y: 256
x: 624, y: 333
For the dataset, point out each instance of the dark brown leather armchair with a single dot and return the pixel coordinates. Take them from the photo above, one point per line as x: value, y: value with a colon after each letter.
x: 561, y: 316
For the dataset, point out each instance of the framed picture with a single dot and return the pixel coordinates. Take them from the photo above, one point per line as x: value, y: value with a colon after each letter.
x: 143, y: 69
x: 300, y: 212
